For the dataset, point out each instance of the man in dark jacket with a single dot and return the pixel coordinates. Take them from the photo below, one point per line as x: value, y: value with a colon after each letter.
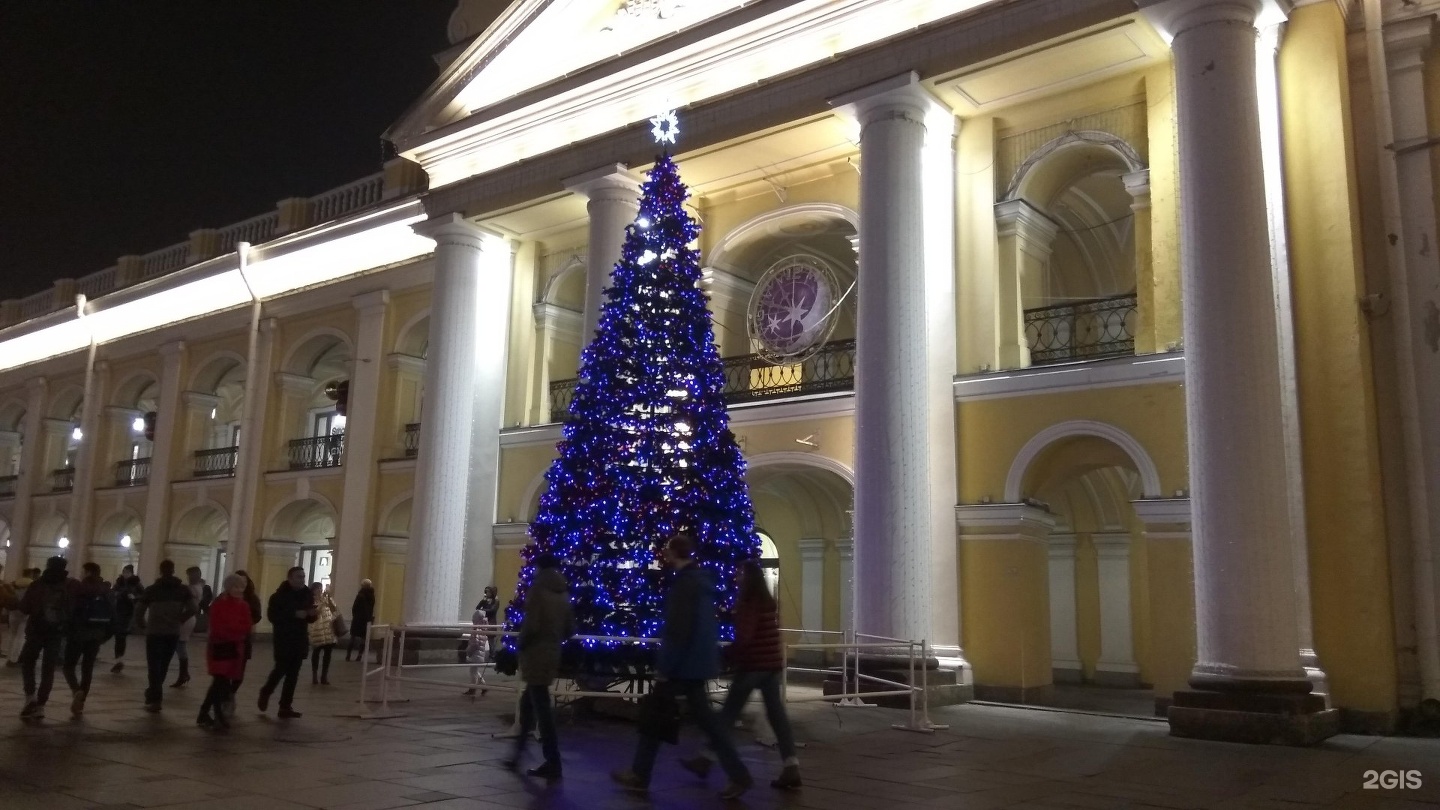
x: 291, y: 610
x: 549, y: 622
x: 362, y: 614
x: 49, y: 605
x: 160, y: 612
x: 126, y: 592
x: 94, y: 621
x: 689, y: 657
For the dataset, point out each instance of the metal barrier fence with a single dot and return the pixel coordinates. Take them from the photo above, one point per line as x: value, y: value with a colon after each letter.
x: 391, y: 670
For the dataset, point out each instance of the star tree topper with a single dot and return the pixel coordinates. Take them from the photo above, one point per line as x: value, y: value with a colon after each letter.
x: 665, y: 127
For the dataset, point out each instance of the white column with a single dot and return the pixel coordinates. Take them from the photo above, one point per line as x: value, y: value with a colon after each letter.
x: 361, y: 445
x: 1116, y: 666
x: 461, y: 344
x: 1064, y: 635
x: 250, y: 458
x: 846, y: 548
x: 1248, y: 633
x: 812, y: 583
x: 1026, y: 238
x: 33, y: 475
x: 155, y: 528
x: 87, y: 462
x: 1416, y: 318
x: 905, y: 454
x: 613, y: 200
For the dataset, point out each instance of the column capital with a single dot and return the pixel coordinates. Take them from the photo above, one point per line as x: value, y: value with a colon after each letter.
x: 1004, y: 521
x: 1163, y: 512
x: 372, y: 302
x: 812, y: 548
x: 1408, y: 42
x: 1020, y: 218
x: 897, y: 98
x: 37, y: 385
x: 276, y: 549
x: 454, y: 229
x: 173, y: 350
x: 406, y: 363
x: 555, y: 319
x: 295, y: 383
x: 846, y: 547
x: 1111, y: 544
x: 614, y: 182
x: 122, y: 416
x: 1062, y: 545
x: 56, y: 427
x: 1172, y: 18
x: 1138, y: 184
x: 199, y: 401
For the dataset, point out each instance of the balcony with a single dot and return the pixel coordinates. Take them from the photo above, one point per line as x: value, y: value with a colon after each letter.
x: 132, y: 472
x: 1084, y: 330
x: 412, y: 440
x: 750, y: 378
x: 216, y: 463
x: 62, y: 480
x: 317, y: 452
x: 7, y: 485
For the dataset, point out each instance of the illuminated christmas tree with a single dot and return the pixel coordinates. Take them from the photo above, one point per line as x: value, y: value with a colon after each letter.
x: 646, y: 450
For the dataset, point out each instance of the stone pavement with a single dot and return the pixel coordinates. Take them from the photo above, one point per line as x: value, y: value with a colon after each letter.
x: 441, y: 756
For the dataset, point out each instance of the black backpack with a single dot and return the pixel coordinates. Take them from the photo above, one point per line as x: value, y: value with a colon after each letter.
x: 95, y: 612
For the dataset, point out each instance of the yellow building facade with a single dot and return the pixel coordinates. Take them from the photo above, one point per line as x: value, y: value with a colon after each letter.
x: 1128, y: 367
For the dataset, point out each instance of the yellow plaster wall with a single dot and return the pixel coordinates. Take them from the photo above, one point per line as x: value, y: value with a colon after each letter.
x: 1349, y: 569
x: 1163, y: 325
x: 1005, y: 604
x: 992, y: 432
x: 724, y: 212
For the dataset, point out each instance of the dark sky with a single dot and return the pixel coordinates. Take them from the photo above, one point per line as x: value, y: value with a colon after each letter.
x: 125, y: 124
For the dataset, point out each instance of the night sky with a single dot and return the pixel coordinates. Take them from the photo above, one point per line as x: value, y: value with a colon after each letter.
x: 124, y: 124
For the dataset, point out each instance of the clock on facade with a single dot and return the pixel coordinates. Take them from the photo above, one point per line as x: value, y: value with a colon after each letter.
x: 792, y: 309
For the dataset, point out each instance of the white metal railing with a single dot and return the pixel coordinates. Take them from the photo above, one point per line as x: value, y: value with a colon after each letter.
x: 41, y: 303
x: 392, y: 670
x: 338, y: 202
x: 253, y: 230
x: 96, y: 284
x: 164, y: 260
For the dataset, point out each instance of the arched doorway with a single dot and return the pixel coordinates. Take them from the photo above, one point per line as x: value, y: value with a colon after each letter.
x: 1087, y: 476
x: 201, y: 533
x: 803, y: 506
x: 310, y: 525
x: 117, y: 544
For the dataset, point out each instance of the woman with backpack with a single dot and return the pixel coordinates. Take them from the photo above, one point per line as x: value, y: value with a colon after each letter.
x: 93, y: 622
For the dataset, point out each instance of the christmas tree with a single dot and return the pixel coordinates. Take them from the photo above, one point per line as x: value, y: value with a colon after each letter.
x: 647, y: 450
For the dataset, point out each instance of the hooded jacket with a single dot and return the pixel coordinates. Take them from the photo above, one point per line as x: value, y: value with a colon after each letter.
x: 164, y: 607
x: 548, y: 622
x: 690, y: 640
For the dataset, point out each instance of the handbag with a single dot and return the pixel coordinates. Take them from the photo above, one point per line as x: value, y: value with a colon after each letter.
x: 339, y: 627
x: 660, y: 715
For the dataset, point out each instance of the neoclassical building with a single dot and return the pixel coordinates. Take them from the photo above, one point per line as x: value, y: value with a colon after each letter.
x: 1092, y: 345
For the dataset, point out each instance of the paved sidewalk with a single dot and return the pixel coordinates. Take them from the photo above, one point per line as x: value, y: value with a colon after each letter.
x: 441, y: 756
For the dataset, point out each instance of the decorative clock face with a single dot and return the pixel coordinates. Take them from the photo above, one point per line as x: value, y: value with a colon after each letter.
x: 790, y: 310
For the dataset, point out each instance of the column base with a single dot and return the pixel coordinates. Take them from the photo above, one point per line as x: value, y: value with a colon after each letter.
x: 1258, y: 718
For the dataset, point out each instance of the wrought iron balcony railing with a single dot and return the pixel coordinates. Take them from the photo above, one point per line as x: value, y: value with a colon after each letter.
x: 750, y: 378
x: 1084, y: 330
x: 8, y: 484
x: 317, y: 452
x: 62, y: 480
x: 216, y: 463
x: 132, y: 472
x: 412, y: 440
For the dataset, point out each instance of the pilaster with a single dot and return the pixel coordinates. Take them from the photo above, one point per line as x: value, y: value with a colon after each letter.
x: 32, y: 468
x: 1116, y: 666
x: 1026, y: 237
x: 812, y: 583
x: 164, y: 454
x: 361, y: 447
x: 88, y: 460
x: 1065, y: 665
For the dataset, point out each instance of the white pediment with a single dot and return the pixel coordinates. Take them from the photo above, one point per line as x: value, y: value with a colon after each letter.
x: 549, y: 73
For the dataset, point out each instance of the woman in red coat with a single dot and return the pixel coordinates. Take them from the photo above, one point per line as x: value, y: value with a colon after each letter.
x: 225, y: 649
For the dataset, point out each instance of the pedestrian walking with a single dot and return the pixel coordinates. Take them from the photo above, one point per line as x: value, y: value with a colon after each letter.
x: 196, y: 624
x: 17, y: 618
x: 126, y: 592
x: 9, y: 601
x: 160, y: 613
x: 322, y: 635
x: 689, y: 657
x: 49, y: 605
x: 225, y: 645
x: 93, y: 622
x: 291, y: 611
x: 477, y: 652
x: 362, y: 615
x: 758, y: 658
x: 548, y: 623
x: 257, y: 612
